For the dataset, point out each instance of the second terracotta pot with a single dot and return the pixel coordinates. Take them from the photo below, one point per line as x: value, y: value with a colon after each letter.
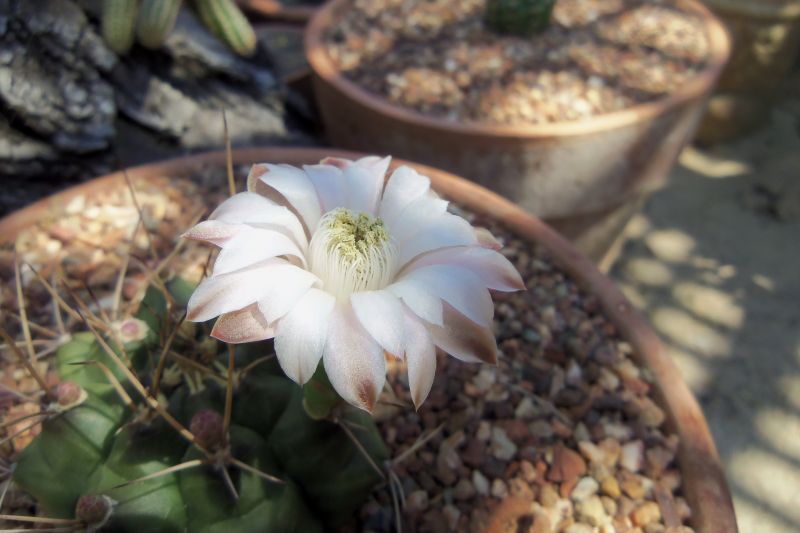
x: 585, y: 178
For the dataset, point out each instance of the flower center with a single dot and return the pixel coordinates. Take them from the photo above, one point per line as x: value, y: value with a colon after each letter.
x: 352, y: 252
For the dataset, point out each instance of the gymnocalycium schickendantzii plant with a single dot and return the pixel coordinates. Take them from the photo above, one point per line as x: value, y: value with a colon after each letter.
x: 323, y: 274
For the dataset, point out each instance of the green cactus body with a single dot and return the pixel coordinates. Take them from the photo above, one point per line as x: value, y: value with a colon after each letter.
x: 226, y: 21
x: 118, y: 22
x: 156, y: 20
x: 101, y: 445
x: 518, y: 17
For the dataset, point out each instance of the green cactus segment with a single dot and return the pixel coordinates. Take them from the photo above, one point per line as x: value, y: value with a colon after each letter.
x: 56, y: 467
x: 118, y: 21
x: 153, y: 505
x: 325, y: 462
x: 518, y: 17
x: 100, y: 444
x: 156, y: 20
x: 226, y: 21
x: 261, y: 506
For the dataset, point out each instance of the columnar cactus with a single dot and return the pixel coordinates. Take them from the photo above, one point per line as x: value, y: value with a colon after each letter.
x: 153, y: 20
x: 518, y: 17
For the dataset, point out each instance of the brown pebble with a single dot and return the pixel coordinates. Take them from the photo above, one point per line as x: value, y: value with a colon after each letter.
x: 548, y: 496
x: 647, y: 513
x: 567, y: 465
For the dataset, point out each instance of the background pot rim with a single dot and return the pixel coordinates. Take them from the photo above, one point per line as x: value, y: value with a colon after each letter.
x: 323, y: 68
x: 704, y: 485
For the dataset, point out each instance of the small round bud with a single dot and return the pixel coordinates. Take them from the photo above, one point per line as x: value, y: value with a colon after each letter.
x: 94, y: 509
x: 68, y: 393
x: 131, y: 330
x: 207, y: 428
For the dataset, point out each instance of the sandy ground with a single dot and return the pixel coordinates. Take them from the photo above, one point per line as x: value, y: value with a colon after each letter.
x: 714, y: 261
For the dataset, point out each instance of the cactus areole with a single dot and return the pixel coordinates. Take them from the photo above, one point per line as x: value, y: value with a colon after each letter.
x: 518, y: 17
x: 330, y: 267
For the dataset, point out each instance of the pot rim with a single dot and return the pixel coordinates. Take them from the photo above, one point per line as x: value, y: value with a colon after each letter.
x: 704, y: 481
x: 324, y: 68
x: 780, y: 10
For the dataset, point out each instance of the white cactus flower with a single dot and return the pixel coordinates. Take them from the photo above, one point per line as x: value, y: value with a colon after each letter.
x: 336, y: 266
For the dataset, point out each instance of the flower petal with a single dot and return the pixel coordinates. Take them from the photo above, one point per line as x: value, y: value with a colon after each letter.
x: 494, y: 270
x: 300, y: 335
x: 419, y: 299
x: 244, y: 325
x: 353, y: 360
x: 364, y: 186
x: 464, y: 339
x: 381, y: 314
x: 486, y: 239
x: 404, y: 186
x: 457, y: 286
x: 330, y: 184
x: 274, y: 281
x: 213, y: 232
x: 420, y: 357
x: 446, y: 230
x: 415, y: 217
x: 255, y: 210
x: 294, y: 185
x: 254, y: 245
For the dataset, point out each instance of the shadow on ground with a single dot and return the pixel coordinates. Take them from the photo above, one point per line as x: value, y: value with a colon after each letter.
x: 714, y: 261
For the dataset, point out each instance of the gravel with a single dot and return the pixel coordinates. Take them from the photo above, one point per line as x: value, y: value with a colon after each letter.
x: 598, y: 56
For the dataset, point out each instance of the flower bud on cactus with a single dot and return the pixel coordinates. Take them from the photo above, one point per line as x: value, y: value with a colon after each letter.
x: 94, y: 510
x: 68, y: 393
x: 207, y: 428
x: 518, y: 17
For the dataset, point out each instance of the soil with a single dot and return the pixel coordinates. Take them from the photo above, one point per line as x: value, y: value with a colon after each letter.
x: 565, y: 422
x: 438, y: 58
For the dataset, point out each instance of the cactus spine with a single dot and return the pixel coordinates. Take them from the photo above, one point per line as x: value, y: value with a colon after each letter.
x: 156, y: 20
x: 226, y: 21
x: 518, y: 17
x: 119, y: 18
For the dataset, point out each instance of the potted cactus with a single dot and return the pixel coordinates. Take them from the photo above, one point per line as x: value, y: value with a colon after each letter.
x: 148, y: 422
x: 575, y: 110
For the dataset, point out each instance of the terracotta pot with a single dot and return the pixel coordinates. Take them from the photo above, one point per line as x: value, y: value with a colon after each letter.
x: 277, y: 10
x: 766, y: 42
x: 575, y: 175
x: 704, y: 483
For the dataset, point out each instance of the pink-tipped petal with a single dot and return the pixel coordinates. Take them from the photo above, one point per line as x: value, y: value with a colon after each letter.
x: 300, y: 335
x: 244, y: 325
x: 330, y: 184
x: 446, y: 230
x: 213, y: 232
x: 273, y: 280
x: 255, y: 210
x: 295, y: 186
x: 353, y: 360
x: 404, y: 186
x: 338, y: 162
x: 420, y: 358
x: 381, y: 314
x: 494, y: 270
x: 254, y: 245
x: 464, y: 339
x: 457, y: 286
x: 487, y: 240
x: 419, y: 299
